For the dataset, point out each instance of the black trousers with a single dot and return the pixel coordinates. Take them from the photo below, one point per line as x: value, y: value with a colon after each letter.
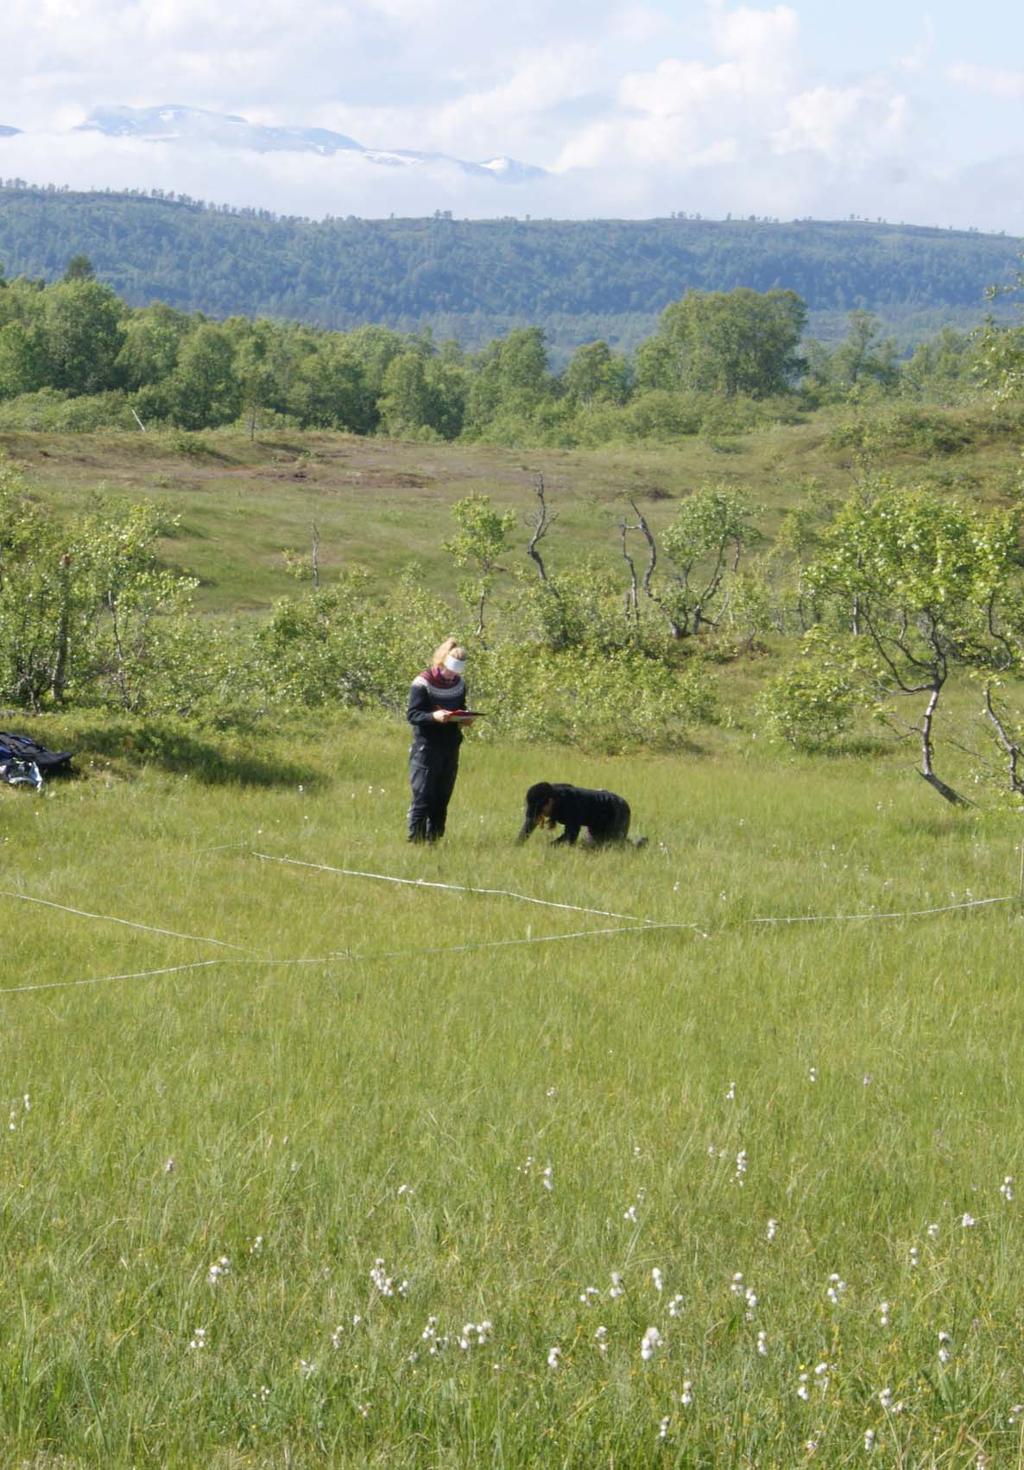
x: 433, y: 768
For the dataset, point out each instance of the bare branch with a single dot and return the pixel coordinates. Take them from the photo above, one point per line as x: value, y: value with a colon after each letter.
x: 652, y: 549
x: 632, y: 596
x: 540, y: 521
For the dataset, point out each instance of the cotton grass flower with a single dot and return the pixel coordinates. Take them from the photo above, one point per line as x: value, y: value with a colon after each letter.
x: 771, y: 1229
x: 869, y: 1440
x: 656, y: 1279
x: 475, y: 1334
x: 1006, y: 1189
x: 384, y: 1284
x: 835, y: 1289
x: 220, y: 1268
x: 686, y: 1397
x: 198, y: 1340
x: 616, y: 1289
x: 967, y: 1221
x: 762, y: 1343
x: 436, y: 1343
x: 663, y: 1427
x: 945, y: 1347
x: 601, y: 1339
x: 675, y: 1306
x: 650, y: 1343
x: 554, y: 1357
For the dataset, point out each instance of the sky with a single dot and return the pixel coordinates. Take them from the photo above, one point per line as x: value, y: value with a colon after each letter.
x: 637, y: 108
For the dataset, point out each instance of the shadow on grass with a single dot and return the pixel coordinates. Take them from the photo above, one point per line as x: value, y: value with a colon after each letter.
x: 183, y: 752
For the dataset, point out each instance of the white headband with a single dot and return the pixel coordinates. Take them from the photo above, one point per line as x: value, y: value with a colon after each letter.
x: 455, y: 665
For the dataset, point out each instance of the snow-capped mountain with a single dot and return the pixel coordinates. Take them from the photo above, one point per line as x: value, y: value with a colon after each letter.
x: 195, y: 126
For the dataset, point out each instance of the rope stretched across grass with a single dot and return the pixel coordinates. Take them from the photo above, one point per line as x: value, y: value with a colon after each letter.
x: 634, y: 925
x: 332, y: 956
x: 642, y: 922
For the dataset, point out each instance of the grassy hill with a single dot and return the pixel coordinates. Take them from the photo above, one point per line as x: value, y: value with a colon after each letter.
x: 380, y: 503
x: 475, y: 279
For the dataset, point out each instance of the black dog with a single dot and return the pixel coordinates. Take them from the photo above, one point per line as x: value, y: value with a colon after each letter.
x: 605, y: 815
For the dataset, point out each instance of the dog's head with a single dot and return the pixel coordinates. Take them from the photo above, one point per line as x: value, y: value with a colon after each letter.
x: 539, y: 801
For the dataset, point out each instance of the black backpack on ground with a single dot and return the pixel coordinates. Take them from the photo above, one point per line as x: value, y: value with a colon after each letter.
x: 15, y: 748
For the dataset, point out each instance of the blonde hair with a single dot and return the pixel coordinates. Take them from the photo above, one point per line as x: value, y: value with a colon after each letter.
x: 441, y: 652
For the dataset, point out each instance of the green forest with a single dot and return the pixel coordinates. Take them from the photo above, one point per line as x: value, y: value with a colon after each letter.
x: 473, y: 280
x: 76, y: 356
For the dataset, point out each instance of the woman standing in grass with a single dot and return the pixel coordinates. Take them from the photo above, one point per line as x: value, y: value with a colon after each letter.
x: 436, y: 701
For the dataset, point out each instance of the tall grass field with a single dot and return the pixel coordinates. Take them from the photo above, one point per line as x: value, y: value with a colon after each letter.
x: 704, y: 1154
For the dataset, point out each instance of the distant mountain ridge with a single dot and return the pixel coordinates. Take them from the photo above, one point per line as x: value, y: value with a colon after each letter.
x: 475, y: 279
x: 175, y: 124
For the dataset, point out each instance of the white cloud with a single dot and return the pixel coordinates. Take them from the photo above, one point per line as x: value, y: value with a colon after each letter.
x: 843, y: 122
x: 757, y: 39
x: 494, y: 118
x: 993, y: 81
x: 917, y: 59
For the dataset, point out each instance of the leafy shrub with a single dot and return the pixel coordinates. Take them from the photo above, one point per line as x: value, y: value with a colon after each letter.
x: 597, y: 701
x: 85, y: 608
x: 53, y: 410
x: 187, y: 444
x: 340, y: 646
x: 812, y: 705
x: 918, y: 430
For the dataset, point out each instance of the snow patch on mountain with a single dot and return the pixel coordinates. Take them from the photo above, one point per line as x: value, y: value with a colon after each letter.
x: 196, y: 126
x: 174, y: 124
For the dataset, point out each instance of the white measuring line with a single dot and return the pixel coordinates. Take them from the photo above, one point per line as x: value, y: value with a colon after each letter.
x: 638, y: 926
x: 128, y: 923
x: 101, y: 979
x: 345, y: 954
x: 636, y: 919
x: 548, y: 903
x: 974, y: 903
x: 389, y: 954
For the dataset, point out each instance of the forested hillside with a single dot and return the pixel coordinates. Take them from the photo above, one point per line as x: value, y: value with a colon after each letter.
x: 475, y: 279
